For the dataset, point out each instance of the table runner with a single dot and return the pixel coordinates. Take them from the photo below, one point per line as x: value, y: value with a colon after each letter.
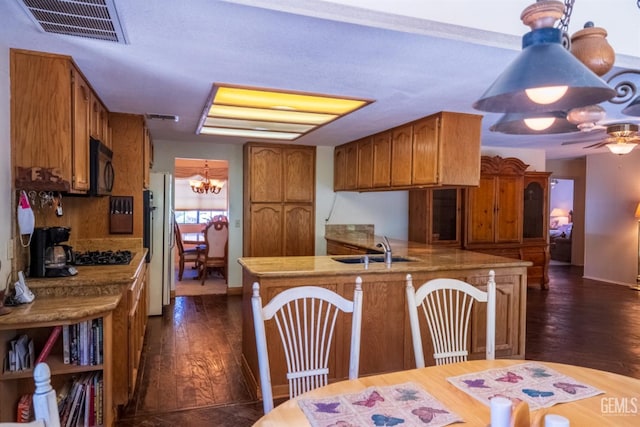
x: 536, y: 384
x: 402, y: 405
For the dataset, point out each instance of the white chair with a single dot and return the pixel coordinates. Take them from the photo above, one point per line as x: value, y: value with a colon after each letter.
x: 305, y: 317
x: 45, y: 405
x: 446, y: 304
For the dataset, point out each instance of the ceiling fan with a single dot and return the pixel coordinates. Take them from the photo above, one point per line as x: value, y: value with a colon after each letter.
x: 621, y: 139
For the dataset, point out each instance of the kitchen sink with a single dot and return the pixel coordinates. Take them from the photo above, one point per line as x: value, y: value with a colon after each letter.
x: 372, y: 258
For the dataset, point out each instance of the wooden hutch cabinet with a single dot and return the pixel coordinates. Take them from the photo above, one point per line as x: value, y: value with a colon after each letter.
x: 279, y: 200
x: 508, y: 214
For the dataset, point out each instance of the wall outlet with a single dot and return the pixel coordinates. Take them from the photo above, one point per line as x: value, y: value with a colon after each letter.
x: 237, y: 223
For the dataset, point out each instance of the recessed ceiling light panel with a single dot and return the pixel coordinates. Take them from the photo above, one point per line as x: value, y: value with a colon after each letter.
x: 269, y: 113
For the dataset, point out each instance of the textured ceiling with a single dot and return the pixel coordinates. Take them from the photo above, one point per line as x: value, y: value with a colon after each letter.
x: 412, y: 66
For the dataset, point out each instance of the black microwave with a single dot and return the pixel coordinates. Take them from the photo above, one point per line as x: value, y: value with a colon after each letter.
x: 101, y: 173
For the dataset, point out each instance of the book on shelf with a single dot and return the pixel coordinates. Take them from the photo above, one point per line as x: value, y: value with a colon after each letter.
x: 82, y: 343
x: 48, y: 345
x: 66, y: 356
x: 20, y: 354
x: 25, y: 409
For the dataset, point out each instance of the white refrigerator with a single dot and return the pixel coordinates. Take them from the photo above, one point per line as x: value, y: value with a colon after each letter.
x: 162, y: 264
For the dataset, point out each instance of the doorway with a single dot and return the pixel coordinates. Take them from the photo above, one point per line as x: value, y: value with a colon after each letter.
x: 201, y: 194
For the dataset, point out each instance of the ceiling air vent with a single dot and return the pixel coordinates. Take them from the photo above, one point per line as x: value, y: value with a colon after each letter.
x: 93, y: 19
x: 151, y: 116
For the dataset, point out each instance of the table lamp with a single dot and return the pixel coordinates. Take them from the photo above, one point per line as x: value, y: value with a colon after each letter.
x: 637, y: 286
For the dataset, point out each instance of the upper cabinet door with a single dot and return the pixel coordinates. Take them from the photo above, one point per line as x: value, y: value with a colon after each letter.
x: 401, y: 150
x: 382, y: 160
x: 299, y: 174
x: 365, y: 163
x: 266, y: 174
x: 425, y: 148
x: 81, y: 101
x: 339, y: 168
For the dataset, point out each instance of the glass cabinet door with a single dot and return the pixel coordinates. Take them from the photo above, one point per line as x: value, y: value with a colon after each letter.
x: 534, y: 211
x: 445, y: 216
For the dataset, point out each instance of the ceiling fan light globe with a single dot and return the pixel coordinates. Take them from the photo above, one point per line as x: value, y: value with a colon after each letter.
x: 621, y: 148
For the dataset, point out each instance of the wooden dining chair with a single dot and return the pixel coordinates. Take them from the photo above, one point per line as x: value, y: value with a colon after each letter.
x: 186, y: 255
x: 305, y: 317
x: 214, y: 254
x: 447, y: 304
x: 45, y: 405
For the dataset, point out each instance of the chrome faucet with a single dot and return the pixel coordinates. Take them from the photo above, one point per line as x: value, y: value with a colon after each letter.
x: 386, y: 246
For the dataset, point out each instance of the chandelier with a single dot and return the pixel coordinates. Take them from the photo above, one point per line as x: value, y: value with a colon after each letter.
x: 206, y: 185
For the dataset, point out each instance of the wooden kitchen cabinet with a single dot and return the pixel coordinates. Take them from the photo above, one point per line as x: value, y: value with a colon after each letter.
x: 147, y: 156
x: 438, y: 150
x: 51, y: 117
x: 365, y: 163
x: 382, y: 160
x: 507, y: 214
x: 80, y: 101
x: 137, y: 296
x: 99, y: 119
x: 435, y: 216
x: 279, y: 200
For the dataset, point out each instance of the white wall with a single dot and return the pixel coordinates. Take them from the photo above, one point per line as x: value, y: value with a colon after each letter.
x: 534, y: 158
x: 8, y: 198
x: 611, y: 230
x: 165, y: 153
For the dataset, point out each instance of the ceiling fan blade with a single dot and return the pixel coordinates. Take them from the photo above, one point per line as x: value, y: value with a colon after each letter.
x: 582, y: 141
x: 597, y: 145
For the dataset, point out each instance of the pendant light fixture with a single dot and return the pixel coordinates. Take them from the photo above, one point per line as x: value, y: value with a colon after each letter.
x: 206, y: 185
x: 551, y: 122
x: 544, y: 76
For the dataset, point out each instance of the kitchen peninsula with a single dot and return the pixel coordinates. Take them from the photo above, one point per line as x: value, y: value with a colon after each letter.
x: 115, y: 294
x: 386, y: 336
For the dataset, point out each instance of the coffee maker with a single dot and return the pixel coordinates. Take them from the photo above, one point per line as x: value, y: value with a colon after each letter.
x: 49, y: 257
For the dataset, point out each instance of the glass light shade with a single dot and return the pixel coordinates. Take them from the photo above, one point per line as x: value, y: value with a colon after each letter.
x: 637, y: 215
x: 557, y: 212
x: 543, y: 63
x: 533, y: 124
x: 621, y: 147
x: 546, y: 95
x: 540, y: 123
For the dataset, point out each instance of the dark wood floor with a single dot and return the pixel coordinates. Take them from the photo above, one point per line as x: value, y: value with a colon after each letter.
x: 190, y: 369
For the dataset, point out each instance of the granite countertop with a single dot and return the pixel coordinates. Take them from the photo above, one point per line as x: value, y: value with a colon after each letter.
x: 91, y: 279
x: 58, y: 309
x: 424, y: 258
x: 93, y: 291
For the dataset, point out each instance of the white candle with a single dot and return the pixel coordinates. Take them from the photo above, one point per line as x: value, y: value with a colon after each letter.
x: 553, y: 420
x: 500, y: 412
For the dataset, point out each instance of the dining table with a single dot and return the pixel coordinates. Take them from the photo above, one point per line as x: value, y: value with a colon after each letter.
x: 616, y: 404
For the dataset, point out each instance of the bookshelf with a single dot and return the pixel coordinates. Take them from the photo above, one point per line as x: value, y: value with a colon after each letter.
x: 15, y: 384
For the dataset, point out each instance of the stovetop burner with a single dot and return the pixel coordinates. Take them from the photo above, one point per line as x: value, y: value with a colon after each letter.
x: 103, y: 258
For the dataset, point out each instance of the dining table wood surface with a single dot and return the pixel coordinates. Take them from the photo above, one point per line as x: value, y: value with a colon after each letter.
x: 618, y: 406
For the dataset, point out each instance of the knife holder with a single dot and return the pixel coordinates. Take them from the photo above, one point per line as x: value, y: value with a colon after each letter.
x: 121, y: 214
